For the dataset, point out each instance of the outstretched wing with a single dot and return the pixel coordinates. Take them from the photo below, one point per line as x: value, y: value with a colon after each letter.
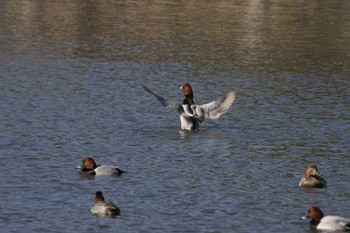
x: 216, y: 108
x: 164, y: 102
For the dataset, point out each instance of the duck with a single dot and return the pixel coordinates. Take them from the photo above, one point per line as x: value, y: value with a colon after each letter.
x: 89, y: 167
x: 102, y: 207
x: 192, y: 114
x: 326, y: 223
x: 312, y: 178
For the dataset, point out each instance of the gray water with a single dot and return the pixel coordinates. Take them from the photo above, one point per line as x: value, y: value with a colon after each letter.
x: 71, y: 76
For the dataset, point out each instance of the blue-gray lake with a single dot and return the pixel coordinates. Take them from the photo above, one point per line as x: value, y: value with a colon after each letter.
x: 71, y: 86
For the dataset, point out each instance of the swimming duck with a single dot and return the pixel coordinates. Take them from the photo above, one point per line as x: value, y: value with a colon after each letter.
x: 102, y: 207
x: 89, y: 167
x: 312, y: 178
x: 326, y: 223
x: 191, y: 114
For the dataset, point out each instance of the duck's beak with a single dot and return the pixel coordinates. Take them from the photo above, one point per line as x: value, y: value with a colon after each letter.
x: 79, y: 167
x: 304, y: 217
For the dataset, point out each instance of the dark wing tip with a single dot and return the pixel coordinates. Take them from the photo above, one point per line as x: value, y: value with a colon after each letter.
x: 146, y: 89
x: 163, y: 101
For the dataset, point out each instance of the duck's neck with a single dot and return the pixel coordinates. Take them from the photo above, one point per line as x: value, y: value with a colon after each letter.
x: 188, y: 100
x: 314, y: 222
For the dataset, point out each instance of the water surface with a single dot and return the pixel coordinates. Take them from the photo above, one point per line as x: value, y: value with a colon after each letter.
x: 71, y: 75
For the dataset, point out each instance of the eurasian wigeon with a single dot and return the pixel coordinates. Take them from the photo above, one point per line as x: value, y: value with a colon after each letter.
x: 191, y: 114
x: 326, y: 223
x: 89, y: 167
x: 102, y: 207
x: 312, y: 178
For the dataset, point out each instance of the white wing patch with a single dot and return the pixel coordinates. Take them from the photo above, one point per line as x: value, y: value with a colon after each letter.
x: 216, y: 108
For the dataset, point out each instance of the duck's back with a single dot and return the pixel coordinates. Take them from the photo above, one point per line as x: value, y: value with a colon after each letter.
x: 312, y: 182
x: 334, y: 223
x: 105, y: 208
x: 107, y: 170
